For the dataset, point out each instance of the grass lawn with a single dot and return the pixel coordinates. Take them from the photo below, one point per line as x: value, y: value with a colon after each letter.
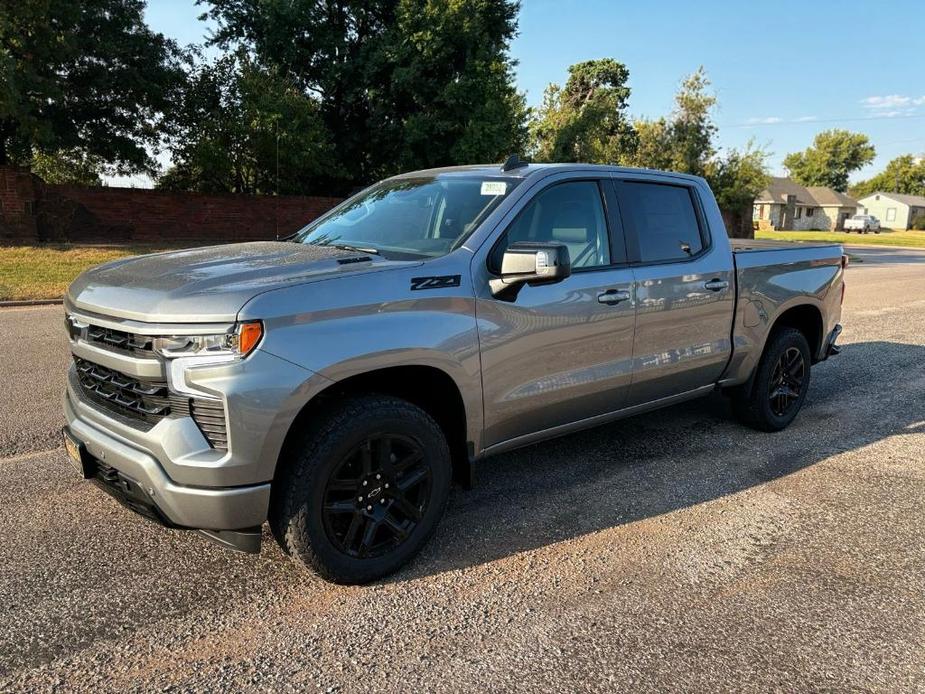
x: 44, y: 272
x: 885, y: 238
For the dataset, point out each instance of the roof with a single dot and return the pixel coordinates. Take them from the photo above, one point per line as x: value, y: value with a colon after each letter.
x: 814, y: 196
x: 534, y: 169
x: 826, y: 196
x: 912, y: 200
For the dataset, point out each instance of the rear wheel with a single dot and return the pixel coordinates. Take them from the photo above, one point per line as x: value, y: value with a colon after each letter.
x: 360, y: 495
x: 780, y: 384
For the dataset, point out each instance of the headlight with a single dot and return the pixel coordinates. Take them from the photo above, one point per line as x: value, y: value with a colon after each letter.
x: 238, y: 343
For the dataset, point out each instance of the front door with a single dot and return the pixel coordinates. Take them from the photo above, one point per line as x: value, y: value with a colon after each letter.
x: 560, y: 353
x: 685, y: 291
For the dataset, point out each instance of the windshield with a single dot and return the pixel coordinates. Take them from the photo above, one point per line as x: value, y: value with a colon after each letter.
x: 410, y: 218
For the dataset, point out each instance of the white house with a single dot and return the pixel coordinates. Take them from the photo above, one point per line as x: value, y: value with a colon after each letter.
x: 894, y: 210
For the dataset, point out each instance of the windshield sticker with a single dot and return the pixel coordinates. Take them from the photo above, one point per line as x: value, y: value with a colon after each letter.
x: 494, y: 187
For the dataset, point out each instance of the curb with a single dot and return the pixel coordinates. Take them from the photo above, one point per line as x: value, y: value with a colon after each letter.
x: 865, y: 246
x: 31, y: 302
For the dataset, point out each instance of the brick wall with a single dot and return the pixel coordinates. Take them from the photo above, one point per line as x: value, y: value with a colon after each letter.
x: 34, y: 211
x: 19, y: 191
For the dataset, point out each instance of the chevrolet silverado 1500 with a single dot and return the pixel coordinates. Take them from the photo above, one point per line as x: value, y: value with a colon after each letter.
x: 335, y: 383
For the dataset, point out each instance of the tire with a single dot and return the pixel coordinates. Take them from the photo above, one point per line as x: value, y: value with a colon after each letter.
x: 315, y: 512
x: 754, y: 406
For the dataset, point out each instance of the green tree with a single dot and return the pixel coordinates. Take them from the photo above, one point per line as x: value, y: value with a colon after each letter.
x: 683, y: 141
x: 692, y: 128
x: 67, y: 167
x: 905, y: 174
x: 236, y: 125
x: 736, y: 178
x: 653, y: 145
x: 833, y: 156
x: 86, y: 77
x: 399, y: 83
x: 586, y: 120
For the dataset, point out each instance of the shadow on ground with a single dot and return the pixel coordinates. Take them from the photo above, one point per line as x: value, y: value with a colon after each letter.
x: 679, y: 457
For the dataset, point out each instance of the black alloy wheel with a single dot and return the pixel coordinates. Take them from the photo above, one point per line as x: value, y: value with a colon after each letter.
x: 376, y: 496
x: 778, y: 387
x: 786, y: 381
x: 361, y: 488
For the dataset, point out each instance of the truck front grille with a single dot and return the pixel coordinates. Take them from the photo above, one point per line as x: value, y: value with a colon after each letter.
x: 125, y: 395
x: 120, y: 341
x: 148, y: 402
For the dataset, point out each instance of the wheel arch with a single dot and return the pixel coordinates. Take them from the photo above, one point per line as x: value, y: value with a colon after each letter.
x: 428, y: 387
x: 807, y: 318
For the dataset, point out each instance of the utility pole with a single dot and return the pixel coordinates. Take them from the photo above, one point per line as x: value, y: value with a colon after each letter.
x: 276, y: 191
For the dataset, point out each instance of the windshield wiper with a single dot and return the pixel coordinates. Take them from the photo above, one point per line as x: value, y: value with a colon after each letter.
x: 348, y: 247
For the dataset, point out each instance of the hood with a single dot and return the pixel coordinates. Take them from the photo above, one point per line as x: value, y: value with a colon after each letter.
x: 209, y: 285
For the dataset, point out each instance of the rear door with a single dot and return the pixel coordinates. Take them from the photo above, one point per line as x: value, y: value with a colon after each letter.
x: 684, y: 289
x: 558, y: 353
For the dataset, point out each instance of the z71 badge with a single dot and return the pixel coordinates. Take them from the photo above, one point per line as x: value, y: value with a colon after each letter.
x: 434, y: 282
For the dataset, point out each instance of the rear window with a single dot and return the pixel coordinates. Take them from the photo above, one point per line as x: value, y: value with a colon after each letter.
x: 663, y: 219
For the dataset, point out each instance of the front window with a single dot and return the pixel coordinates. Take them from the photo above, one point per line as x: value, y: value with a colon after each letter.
x: 411, y: 218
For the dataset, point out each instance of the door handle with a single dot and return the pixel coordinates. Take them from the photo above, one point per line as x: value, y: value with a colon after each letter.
x: 612, y: 297
x: 716, y: 285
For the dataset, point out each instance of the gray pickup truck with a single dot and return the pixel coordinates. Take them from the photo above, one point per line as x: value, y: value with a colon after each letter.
x: 336, y: 383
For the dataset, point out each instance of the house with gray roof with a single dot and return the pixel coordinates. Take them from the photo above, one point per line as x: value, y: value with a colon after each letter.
x: 894, y: 210
x: 785, y: 204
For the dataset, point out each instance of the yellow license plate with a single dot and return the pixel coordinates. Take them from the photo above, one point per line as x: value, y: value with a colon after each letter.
x: 73, y: 453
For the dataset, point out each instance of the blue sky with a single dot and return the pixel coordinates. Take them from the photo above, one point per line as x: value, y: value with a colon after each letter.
x: 782, y: 71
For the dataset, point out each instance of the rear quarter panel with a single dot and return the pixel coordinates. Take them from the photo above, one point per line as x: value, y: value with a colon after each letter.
x: 772, y: 278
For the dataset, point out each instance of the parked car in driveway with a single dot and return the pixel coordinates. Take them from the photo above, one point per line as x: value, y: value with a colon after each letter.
x: 335, y: 383
x: 862, y: 223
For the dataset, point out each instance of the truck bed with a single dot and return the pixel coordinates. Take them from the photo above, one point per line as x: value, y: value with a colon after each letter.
x: 772, y: 276
x: 746, y: 245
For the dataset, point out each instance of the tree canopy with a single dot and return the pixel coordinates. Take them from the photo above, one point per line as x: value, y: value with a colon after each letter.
x: 682, y: 141
x: 832, y: 158
x: 237, y: 124
x: 736, y: 177
x: 87, y: 77
x: 905, y: 174
x: 67, y: 166
x: 399, y: 84
x: 586, y: 120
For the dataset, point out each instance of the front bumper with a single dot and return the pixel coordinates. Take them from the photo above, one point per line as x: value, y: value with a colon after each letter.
x: 144, y: 501
x: 168, y: 471
x: 137, y: 474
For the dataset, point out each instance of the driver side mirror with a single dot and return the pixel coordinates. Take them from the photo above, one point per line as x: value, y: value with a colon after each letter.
x: 531, y: 263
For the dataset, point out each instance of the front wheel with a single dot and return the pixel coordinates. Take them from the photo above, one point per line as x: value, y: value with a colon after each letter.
x: 363, y: 490
x: 779, y: 387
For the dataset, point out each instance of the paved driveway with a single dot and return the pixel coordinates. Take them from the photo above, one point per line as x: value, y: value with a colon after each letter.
x: 669, y: 551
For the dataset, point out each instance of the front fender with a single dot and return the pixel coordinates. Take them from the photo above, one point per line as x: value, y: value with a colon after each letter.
x: 331, y: 329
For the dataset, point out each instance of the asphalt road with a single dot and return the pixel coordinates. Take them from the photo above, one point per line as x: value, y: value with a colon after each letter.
x: 676, y: 551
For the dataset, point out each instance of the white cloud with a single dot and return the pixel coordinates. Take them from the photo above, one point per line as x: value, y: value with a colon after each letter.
x: 892, y: 101
x: 765, y: 121
x: 805, y: 119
